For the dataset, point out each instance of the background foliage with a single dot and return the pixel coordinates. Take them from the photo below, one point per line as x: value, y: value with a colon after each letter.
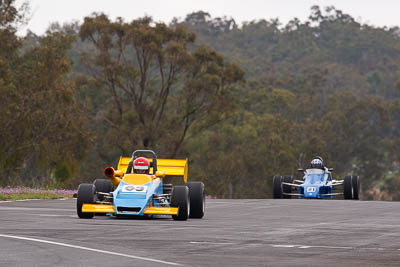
x: 242, y: 102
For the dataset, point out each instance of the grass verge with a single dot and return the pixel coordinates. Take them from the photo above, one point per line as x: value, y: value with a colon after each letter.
x: 20, y: 193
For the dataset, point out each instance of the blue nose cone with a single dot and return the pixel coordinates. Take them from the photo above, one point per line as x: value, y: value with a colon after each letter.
x: 311, y: 191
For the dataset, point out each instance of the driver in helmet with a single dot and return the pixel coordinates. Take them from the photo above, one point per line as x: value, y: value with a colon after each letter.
x: 141, y: 165
x: 317, y: 163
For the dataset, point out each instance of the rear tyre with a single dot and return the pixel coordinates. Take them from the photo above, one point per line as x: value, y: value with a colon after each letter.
x: 86, y: 195
x: 287, y: 188
x: 197, y: 199
x: 355, y: 182
x: 277, y: 187
x: 103, y: 186
x: 347, y: 188
x: 180, y: 199
x: 167, y: 188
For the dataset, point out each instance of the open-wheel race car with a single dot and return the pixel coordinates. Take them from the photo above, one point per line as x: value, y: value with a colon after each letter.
x: 137, y: 188
x: 317, y: 182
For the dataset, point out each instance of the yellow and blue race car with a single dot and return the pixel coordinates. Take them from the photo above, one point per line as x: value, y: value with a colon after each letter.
x: 130, y: 192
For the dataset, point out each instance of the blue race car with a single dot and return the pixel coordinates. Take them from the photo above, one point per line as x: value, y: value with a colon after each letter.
x: 140, y: 190
x: 316, y: 183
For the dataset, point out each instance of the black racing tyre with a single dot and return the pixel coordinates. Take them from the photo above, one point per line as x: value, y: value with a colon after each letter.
x: 103, y: 186
x: 347, y: 188
x: 287, y: 188
x: 86, y: 195
x: 197, y: 199
x: 355, y: 182
x: 277, y: 186
x: 180, y: 199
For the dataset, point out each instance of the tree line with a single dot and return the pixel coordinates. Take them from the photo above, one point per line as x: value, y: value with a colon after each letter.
x: 242, y: 102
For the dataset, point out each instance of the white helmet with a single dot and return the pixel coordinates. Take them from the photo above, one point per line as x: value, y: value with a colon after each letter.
x: 317, y: 163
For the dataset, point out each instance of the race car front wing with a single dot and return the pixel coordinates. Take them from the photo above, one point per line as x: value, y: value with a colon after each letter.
x: 103, y: 208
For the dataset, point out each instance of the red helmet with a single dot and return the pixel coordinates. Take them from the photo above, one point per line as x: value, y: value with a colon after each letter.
x: 141, y: 165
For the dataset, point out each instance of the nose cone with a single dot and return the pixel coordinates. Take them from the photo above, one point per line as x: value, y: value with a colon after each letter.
x: 311, y: 191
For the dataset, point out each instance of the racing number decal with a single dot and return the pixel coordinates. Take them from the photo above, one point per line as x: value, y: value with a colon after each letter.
x: 311, y: 189
x: 134, y: 188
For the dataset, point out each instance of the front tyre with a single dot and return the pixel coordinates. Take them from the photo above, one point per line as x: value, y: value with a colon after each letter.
x: 103, y: 186
x: 180, y: 199
x: 287, y: 188
x: 355, y: 182
x: 347, y: 188
x: 197, y: 199
x: 86, y: 195
x: 277, y: 187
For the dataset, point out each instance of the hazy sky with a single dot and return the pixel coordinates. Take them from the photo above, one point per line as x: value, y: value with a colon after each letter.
x: 379, y: 13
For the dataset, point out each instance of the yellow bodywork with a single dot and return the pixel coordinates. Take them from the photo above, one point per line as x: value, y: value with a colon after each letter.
x: 138, y: 179
x: 98, y: 208
x: 171, y: 167
x: 103, y: 208
x: 174, y: 167
x: 123, y: 163
x: 166, y: 167
x: 115, y: 180
x: 161, y: 210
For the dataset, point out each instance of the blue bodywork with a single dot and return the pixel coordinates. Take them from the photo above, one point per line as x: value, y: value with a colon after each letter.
x: 128, y: 201
x: 316, y: 184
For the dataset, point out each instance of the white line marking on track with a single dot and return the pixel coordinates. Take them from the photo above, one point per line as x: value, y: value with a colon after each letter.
x: 329, y: 247
x: 294, y: 246
x: 283, y: 246
x: 90, y: 249
x: 305, y: 246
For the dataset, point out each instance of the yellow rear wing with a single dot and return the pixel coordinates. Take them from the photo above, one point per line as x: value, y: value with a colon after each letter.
x: 174, y: 167
x: 171, y: 167
x: 123, y: 163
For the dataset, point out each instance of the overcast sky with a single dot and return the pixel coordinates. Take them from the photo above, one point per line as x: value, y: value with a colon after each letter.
x: 379, y: 13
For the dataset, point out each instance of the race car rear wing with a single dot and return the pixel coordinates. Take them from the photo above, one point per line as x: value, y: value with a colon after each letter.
x: 171, y: 167
x: 123, y: 163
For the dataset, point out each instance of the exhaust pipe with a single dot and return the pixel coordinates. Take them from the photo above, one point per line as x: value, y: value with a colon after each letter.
x: 109, y: 172
x: 113, y: 175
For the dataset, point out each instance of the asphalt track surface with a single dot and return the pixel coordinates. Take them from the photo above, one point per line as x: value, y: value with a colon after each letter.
x: 233, y: 233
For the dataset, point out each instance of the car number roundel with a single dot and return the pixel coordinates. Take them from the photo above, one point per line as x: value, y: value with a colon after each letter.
x: 134, y: 188
x: 311, y: 189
